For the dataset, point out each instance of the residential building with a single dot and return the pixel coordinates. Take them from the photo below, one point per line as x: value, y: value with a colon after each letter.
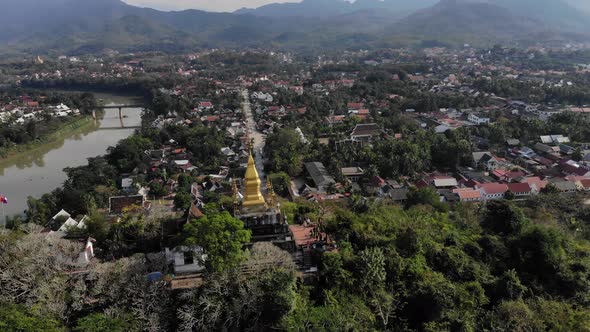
x: 566, y: 187
x: 520, y: 190
x: 353, y: 174
x: 398, y: 195
x: 584, y: 185
x: 366, y: 132
x: 468, y: 194
x: 186, y: 260
x: 478, y: 119
x: 485, y: 160
x: 492, y: 191
x: 445, y: 182
x: 320, y: 176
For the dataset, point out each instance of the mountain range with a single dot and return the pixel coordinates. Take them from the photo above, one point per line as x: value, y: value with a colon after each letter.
x: 85, y: 26
x: 331, y: 8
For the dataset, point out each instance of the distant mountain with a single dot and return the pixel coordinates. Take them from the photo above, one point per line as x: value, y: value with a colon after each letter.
x: 333, y: 8
x: 306, y: 8
x: 20, y: 18
x: 72, y: 26
x: 464, y: 21
x: 85, y: 26
x: 558, y: 13
x: 400, y: 6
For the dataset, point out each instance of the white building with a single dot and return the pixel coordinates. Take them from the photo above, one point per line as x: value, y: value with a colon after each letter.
x: 186, y: 259
x: 478, y: 119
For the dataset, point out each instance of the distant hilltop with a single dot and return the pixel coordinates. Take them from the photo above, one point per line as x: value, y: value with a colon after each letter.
x: 87, y: 26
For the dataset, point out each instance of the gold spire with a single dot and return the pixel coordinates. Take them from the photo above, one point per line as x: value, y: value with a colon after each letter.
x: 236, y: 193
x: 252, y: 194
x: 271, y: 193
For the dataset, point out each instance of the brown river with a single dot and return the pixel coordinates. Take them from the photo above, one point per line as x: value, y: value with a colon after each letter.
x: 40, y: 170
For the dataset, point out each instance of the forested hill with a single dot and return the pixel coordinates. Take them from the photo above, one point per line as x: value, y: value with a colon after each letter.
x: 333, y: 8
x: 86, y: 26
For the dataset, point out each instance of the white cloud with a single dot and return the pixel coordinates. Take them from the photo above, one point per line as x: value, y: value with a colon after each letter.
x: 211, y: 5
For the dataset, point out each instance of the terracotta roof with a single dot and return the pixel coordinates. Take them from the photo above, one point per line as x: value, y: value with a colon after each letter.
x: 519, y: 187
x: 377, y: 181
x: 468, y: 194
x: 499, y: 173
x: 195, y: 212
x: 303, y: 235
x: 494, y: 188
x: 514, y: 175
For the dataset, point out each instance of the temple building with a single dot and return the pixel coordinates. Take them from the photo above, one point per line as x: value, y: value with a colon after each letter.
x: 261, y: 215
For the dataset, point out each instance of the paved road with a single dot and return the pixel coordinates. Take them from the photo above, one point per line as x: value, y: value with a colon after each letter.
x: 259, y: 138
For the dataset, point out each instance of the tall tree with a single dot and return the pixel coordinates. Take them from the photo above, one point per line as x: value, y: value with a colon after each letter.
x: 222, y: 237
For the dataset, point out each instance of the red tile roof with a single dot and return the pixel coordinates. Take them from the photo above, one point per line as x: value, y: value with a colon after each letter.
x: 574, y: 169
x: 378, y: 181
x: 519, y: 187
x: 494, y: 188
x: 303, y: 235
x: 468, y: 194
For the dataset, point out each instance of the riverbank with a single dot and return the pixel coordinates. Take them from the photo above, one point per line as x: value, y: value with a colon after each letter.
x: 74, y: 125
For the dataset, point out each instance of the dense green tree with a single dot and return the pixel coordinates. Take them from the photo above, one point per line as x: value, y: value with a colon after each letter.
x: 221, y: 236
x: 281, y: 183
x: 158, y: 190
x: 16, y: 318
x: 550, y: 189
x: 103, y: 323
x: 228, y: 301
x: 509, y: 286
x: 182, y: 201
x: 425, y: 196
x: 129, y: 153
x: 372, y: 269
x: 286, y: 151
x: 503, y: 218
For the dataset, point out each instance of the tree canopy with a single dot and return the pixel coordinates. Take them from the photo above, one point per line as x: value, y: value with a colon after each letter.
x: 222, y: 238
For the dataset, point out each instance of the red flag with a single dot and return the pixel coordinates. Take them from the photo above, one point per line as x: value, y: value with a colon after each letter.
x: 3, y: 199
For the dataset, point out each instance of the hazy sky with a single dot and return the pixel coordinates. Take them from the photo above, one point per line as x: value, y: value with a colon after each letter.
x: 212, y: 5
x: 231, y: 5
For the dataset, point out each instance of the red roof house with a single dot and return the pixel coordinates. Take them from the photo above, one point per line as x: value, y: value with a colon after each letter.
x: 520, y: 189
x: 492, y: 190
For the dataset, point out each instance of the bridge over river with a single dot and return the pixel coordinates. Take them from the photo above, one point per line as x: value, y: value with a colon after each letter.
x: 115, y: 106
x: 120, y: 107
x: 40, y: 170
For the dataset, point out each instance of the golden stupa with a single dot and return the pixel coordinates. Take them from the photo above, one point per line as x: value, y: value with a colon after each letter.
x: 252, y: 194
x: 263, y: 217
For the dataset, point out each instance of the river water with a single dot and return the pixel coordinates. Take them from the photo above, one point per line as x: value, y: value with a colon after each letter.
x: 39, y: 171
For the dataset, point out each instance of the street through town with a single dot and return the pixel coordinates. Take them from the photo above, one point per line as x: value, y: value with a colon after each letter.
x: 253, y: 133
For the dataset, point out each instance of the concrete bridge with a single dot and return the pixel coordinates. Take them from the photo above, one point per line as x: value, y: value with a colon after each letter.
x: 105, y: 107
x: 119, y: 107
x: 119, y: 128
